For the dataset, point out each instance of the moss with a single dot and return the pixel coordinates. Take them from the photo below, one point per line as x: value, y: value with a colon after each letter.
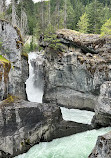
x: 22, y: 143
x: 20, y: 41
x: 26, y: 142
x: 4, y: 60
x: 7, y: 102
x: 24, y: 55
x: 5, y: 66
x: 10, y: 99
x: 94, y: 63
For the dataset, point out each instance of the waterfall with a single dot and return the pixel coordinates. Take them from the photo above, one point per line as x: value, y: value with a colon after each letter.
x: 35, y: 82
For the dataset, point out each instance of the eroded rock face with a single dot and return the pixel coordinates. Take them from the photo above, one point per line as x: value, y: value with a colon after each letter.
x: 24, y: 124
x: 91, y: 43
x: 11, y: 40
x: 74, y: 79
x: 5, y: 66
x: 103, y: 107
x: 103, y: 147
x: 25, y: 74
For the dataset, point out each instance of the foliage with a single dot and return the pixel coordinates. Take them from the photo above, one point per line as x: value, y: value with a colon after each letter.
x: 26, y: 48
x: 50, y: 14
x: 83, y: 23
x: 4, y: 59
x: 95, y: 15
x: 0, y: 45
x: 29, y: 47
x: 106, y: 28
x: 53, y: 42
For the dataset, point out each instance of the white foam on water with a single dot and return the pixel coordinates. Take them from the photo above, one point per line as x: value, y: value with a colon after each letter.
x: 75, y: 146
x: 34, y: 93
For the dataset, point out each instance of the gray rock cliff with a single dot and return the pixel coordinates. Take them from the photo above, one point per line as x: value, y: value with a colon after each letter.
x: 11, y: 42
x: 73, y: 78
x: 103, y: 107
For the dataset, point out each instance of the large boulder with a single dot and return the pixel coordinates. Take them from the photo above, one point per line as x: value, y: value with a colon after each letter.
x: 24, y: 124
x: 103, y: 107
x: 103, y: 147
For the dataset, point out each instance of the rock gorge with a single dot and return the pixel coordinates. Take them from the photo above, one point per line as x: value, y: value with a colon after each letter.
x: 71, y: 79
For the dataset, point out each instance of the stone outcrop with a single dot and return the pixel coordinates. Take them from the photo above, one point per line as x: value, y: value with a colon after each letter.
x: 73, y: 78
x: 24, y: 124
x: 11, y: 43
x: 25, y: 74
x: 103, y: 147
x: 5, y: 67
x: 103, y: 107
x: 89, y: 43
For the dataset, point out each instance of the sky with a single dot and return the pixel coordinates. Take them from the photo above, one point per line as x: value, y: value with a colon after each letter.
x: 8, y: 1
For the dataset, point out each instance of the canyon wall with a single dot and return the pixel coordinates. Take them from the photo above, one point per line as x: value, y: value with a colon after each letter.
x: 73, y: 78
x: 10, y: 49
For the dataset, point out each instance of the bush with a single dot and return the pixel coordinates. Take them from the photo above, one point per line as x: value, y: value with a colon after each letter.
x: 26, y: 48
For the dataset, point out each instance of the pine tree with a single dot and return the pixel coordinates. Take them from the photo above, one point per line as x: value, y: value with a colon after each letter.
x: 95, y: 15
x: 106, y: 28
x: 14, y: 20
x: 65, y: 13
x: 83, y: 23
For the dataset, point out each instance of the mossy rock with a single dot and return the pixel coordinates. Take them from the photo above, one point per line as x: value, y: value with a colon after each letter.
x: 24, y: 55
x: 9, y: 100
x: 5, y: 66
x: 4, y: 60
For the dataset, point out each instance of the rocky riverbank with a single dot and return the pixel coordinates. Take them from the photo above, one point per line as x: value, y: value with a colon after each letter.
x: 24, y: 124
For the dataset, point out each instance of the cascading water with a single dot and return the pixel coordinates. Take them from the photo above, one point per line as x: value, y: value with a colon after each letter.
x: 80, y: 116
x: 35, y: 82
x: 75, y: 146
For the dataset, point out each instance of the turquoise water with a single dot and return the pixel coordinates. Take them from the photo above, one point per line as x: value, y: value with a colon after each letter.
x: 75, y: 146
x: 81, y: 116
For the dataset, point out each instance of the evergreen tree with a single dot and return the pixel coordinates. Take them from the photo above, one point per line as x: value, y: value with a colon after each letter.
x: 106, y: 28
x: 95, y: 15
x: 83, y: 23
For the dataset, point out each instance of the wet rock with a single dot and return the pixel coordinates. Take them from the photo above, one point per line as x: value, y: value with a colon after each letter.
x: 25, y: 75
x: 5, y: 67
x: 103, y: 107
x: 12, y: 42
x: 24, y: 124
x: 103, y: 147
x: 71, y: 99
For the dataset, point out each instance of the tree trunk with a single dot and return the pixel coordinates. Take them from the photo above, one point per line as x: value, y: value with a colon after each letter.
x: 65, y: 13
x: 13, y: 13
